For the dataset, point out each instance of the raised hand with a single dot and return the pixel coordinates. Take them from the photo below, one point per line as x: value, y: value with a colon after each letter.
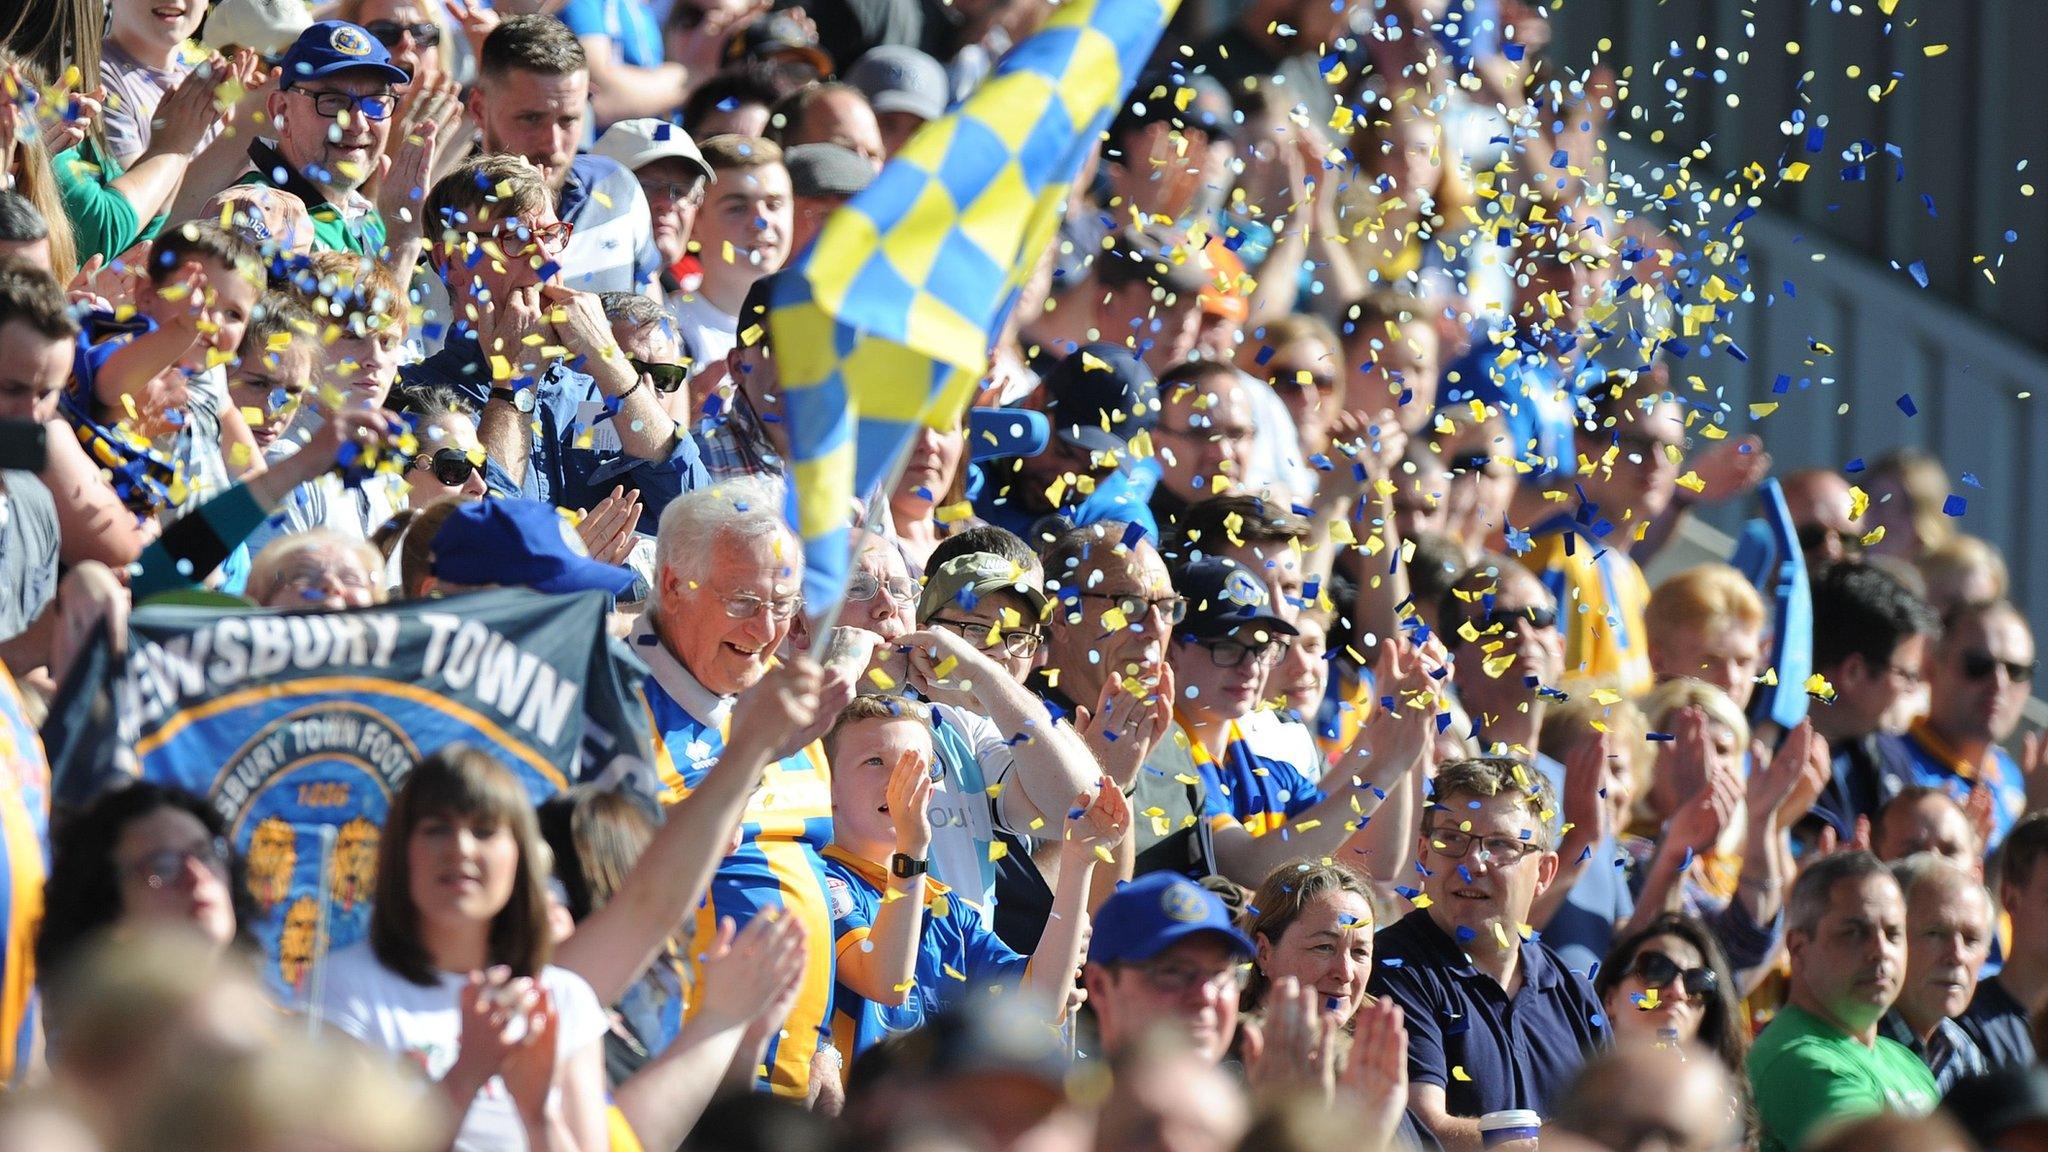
x: 403, y: 175
x: 1585, y: 810
x: 514, y: 327
x: 608, y: 530
x: 494, y: 1006
x: 529, y: 1068
x: 1124, y: 726
x: 1393, y: 740
x: 1298, y: 1053
x: 1731, y: 468
x: 910, y: 802
x: 188, y: 111
x: 1101, y: 820
x: 945, y: 667
x: 1770, y: 787
x: 1700, y: 820
x: 784, y: 700
x: 478, y: 21
x: 746, y: 973
x: 1375, y: 1077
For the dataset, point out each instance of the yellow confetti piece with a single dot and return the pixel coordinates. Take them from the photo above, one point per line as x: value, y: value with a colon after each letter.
x: 881, y: 679
x: 1933, y: 50
x: 997, y: 850
x: 1873, y: 536
x: 1859, y: 502
x: 1691, y: 481
x: 1759, y: 411
x: 1458, y: 1073
x: 1817, y: 686
x: 1795, y: 172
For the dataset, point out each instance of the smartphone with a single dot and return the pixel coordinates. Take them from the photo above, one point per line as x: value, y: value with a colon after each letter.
x: 24, y: 445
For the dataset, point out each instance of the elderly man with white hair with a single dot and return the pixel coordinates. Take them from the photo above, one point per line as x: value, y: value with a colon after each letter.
x: 726, y: 593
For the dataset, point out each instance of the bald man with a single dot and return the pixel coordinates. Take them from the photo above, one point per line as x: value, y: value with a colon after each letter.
x: 1819, y: 502
x: 1633, y: 1091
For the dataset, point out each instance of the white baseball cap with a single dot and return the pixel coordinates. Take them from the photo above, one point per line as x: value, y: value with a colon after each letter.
x: 638, y: 143
x: 268, y: 26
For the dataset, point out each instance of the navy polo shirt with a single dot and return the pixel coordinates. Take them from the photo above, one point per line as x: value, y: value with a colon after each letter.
x: 1466, y: 1036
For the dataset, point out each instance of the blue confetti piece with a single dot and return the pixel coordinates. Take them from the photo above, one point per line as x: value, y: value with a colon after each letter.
x: 1513, y: 51
x: 1391, y: 962
x: 1954, y: 505
x: 1970, y: 478
x: 1907, y: 406
x: 1918, y: 271
x: 1659, y: 736
x: 1854, y: 466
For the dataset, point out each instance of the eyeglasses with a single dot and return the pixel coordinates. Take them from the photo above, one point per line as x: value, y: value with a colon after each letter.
x: 164, y: 869
x: 307, y: 579
x: 451, y: 466
x: 1538, y: 616
x: 1172, y: 609
x: 1646, y: 449
x: 1231, y: 653
x: 517, y: 238
x: 1476, y: 464
x: 1017, y: 642
x: 1982, y: 666
x: 1656, y: 970
x: 680, y: 192
x: 745, y: 605
x: 1817, y: 537
x: 666, y: 378
x: 1181, y: 979
x: 330, y: 104
x: 865, y: 586
x: 390, y: 32
x: 1506, y: 851
x: 1320, y: 381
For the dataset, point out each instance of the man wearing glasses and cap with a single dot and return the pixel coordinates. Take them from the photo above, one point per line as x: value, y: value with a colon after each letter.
x: 332, y: 111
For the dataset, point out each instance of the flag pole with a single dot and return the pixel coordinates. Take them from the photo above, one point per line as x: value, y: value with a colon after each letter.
x: 871, y: 523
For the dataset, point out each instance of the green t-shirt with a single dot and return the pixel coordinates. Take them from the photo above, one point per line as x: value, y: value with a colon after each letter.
x: 1804, y: 1072
x: 102, y: 220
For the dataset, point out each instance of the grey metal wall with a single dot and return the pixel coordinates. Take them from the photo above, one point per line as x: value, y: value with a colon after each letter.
x: 1973, y: 356
x: 1961, y: 122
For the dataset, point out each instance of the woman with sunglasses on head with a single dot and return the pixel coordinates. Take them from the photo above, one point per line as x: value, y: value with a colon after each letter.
x: 1669, y: 983
x: 140, y: 857
x: 455, y: 975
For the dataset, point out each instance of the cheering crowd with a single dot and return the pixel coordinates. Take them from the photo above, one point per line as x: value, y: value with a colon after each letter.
x: 1247, y: 723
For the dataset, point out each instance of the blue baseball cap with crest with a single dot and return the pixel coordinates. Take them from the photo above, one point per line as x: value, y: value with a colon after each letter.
x: 520, y: 543
x: 1147, y: 916
x: 334, y: 46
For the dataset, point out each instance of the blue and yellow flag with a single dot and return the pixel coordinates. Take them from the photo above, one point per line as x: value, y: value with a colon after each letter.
x: 889, y: 321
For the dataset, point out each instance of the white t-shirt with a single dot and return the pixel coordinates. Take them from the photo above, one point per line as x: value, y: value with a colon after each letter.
x: 706, y: 332
x: 424, y: 1027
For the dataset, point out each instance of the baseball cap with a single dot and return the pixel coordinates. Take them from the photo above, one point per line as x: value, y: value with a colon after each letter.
x: 640, y: 142
x: 268, y: 26
x: 899, y: 78
x: 334, y: 46
x: 1002, y: 433
x: 778, y: 34
x: 1197, y: 100
x: 523, y: 543
x: 827, y: 170
x: 996, y: 1037
x: 1100, y: 396
x: 1148, y: 915
x: 969, y: 576
x: 1223, y: 596
x: 1156, y: 255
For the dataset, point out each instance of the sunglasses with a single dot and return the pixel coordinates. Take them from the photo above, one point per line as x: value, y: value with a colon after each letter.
x: 665, y: 377
x: 1983, y: 665
x: 1816, y: 537
x: 390, y: 32
x: 452, y: 466
x: 1537, y: 616
x: 1656, y: 970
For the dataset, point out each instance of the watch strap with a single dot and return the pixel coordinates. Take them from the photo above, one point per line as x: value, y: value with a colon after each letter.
x: 907, y: 867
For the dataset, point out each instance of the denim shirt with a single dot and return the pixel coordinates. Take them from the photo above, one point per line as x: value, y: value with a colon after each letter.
x: 567, y: 467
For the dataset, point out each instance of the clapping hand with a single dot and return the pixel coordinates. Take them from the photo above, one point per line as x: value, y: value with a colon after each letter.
x: 1100, y: 821
x: 1125, y: 725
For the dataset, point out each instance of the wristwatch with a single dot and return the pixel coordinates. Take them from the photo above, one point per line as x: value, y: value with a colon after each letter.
x: 521, y: 399
x: 904, y: 867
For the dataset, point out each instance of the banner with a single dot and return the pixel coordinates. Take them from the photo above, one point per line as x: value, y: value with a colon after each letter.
x: 300, y: 728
